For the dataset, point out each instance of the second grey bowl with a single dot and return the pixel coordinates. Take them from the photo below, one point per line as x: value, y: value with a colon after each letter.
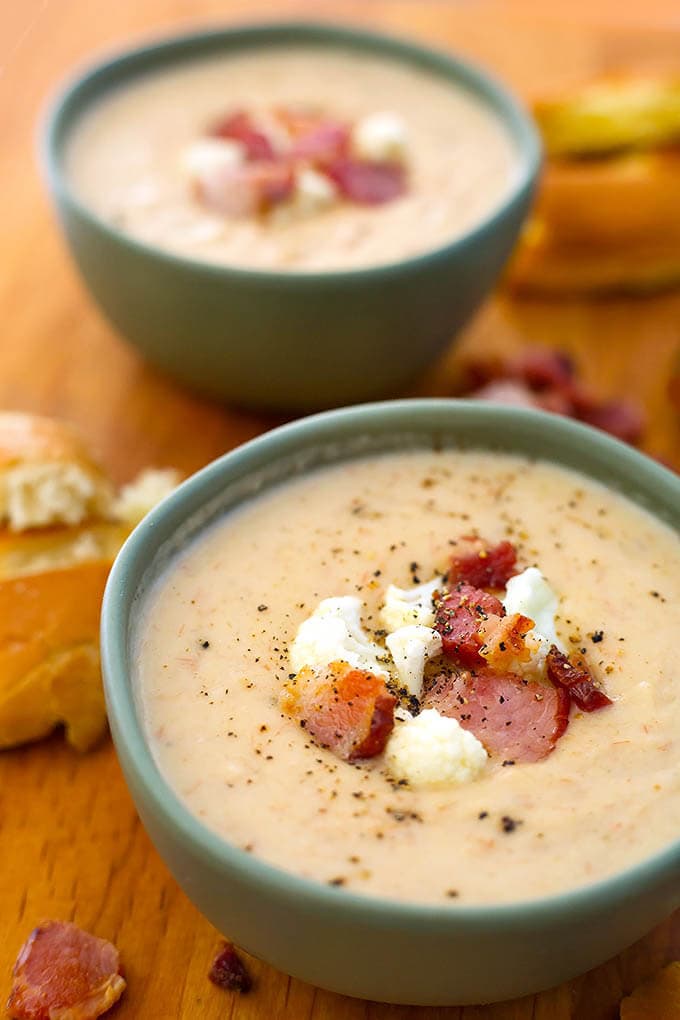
x: 287, y: 340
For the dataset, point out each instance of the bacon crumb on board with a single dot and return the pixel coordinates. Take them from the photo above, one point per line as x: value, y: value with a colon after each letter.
x: 547, y: 379
x: 576, y: 680
x: 64, y: 973
x: 515, y: 718
x: 350, y: 711
x: 229, y: 971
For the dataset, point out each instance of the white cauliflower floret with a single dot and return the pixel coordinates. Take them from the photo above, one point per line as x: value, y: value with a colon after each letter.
x: 313, y: 191
x: 530, y: 594
x: 410, y: 648
x: 381, y: 136
x: 207, y: 157
x: 334, y: 633
x: 406, y: 606
x: 433, y: 750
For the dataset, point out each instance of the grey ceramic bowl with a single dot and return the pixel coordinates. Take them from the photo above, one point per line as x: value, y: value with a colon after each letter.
x: 287, y: 340
x: 361, y: 946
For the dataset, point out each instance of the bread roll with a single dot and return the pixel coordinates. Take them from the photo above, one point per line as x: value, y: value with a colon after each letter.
x: 611, y: 113
x: 607, y: 213
x: 49, y: 633
x: 56, y: 550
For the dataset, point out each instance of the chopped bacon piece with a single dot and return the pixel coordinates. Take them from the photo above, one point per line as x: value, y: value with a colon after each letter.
x: 324, y: 143
x: 544, y: 369
x: 273, y: 183
x: 299, y: 120
x: 459, y: 616
x: 367, y: 183
x: 547, y: 379
x: 515, y: 718
x: 240, y: 127
x: 315, y: 137
x: 64, y: 973
x: 350, y: 711
x: 481, y: 565
x: 503, y: 644
x: 576, y: 680
x: 229, y: 971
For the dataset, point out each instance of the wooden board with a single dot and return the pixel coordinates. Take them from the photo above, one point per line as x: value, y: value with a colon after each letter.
x: 71, y: 843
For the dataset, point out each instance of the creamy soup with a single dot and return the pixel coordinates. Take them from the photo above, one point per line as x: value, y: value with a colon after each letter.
x: 125, y: 158
x: 211, y: 660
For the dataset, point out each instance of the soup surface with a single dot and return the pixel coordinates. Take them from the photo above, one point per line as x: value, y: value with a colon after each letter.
x: 211, y: 660
x: 125, y: 158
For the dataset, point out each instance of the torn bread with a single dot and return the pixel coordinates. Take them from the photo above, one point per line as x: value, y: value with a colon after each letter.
x: 611, y: 113
x: 52, y: 577
x: 51, y: 587
x: 47, y: 475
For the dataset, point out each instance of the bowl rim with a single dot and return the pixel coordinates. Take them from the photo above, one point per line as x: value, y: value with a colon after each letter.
x: 131, y: 742
x: 65, y: 107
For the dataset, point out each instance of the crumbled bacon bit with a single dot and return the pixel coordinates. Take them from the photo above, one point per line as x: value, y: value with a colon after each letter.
x: 503, y: 640
x: 229, y: 971
x: 547, y: 379
x: 367, y: 183
x: 459, y: 616
x: 502, y: 711
x: 323, y: 143
x: 482, y: 565
x: 64, y: 973
x: 620, y: 419
x: 350, y: 711
x: 240, y: 127
x: 576, y: 680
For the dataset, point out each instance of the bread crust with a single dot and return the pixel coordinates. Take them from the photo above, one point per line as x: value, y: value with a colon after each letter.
x: 611, y: 113
x: 603, y: 225
x: 49, y: 654
x: 58, y: 540
x: 607, y: 213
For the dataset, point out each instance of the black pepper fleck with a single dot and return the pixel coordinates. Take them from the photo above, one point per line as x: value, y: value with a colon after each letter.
x: 509, y: 824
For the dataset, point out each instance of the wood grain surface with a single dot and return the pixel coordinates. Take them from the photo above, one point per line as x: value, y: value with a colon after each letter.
x: 71, y: 844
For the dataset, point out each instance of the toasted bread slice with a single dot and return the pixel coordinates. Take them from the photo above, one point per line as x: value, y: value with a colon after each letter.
x: 611, y: 114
